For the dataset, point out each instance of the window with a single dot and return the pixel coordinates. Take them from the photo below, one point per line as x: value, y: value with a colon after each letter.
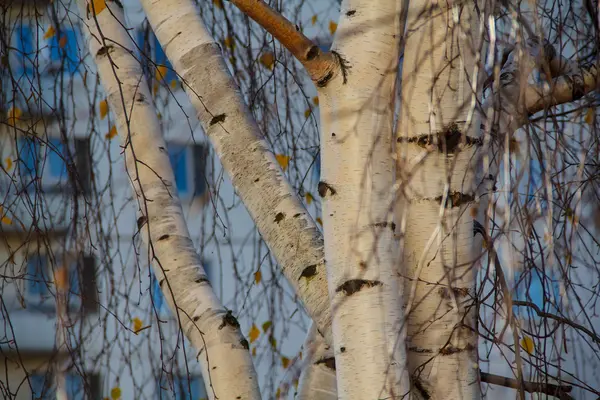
x: 43, y: 386
x: 189, y: 168
x: 153, y: 54
x: 47, y: 161
x: 180, y: 387
x: 531, y: 285
x: 64, y: 50
x: 40, y: 283
x: 24, y: 52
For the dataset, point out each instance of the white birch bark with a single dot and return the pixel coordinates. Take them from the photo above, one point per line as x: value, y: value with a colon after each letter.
x: 226, y: 364
x: 437, y: 158
x: 279, y: 215
x: 317, y: 381
x: 356, y: 187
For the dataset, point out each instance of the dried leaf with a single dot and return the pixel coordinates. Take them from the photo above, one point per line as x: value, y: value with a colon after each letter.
x: 253, y: 334
x: 49, y: 33
x: 313, y: 20
x: 155, y: 88
x: 62, y: 42
x: 267, y: 59
x: 61, y: 278
x: 309, y: 198
x: 13, y: 114
x: 332, y: 27
x: 173, y: 84
x: 285, y: 362
x: 307, y: 113
x: 218, y: 3
x: 254, y: 352
x: 95, y: 7
x: 266, y: 325
x: 527, y: 344
x: 589, y: 116
x: 283, y: 160
x: 319, y: 221
x: 137, y: 325
x: 273, y: 341
x: 278, y: 393
x: 257, y: 277
x: 103, y: 109
x: 111, y: 133
x: 6, y: 221
x: 229, y: 42
x: 8, y: 163
x: 161, y: 72
x: 115, y: 393
x: 315, y: 100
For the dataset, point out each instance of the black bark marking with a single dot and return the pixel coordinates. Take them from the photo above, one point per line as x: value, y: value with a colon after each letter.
x: 458, y: 292
x: 362, y: 265
x: 196, y: 318
x: 344, y: 66
x: 325, y: 80
x: 312, y: 53
x: 217, y: 119
x: 328, y: 362
x: 298, y: 215
x: 420, y: 388
x: 332, y: 134
x: 351, y: 13
x: 578, y: 85
x: 309, y: 272
x: 385, y: 224
x: 323, y: 187
x: 279, y: 217
x: 420, y: 350
x: 163, y: 237
x: 448, y: 140
x: 229, y: 319
x: 342, y: 349
x: 245, y: 345
x: 455, y: 199
x: 202, y: 279
x: 140, y: 98
x: 256, y: 180
x: 355, y: 285
x: 141, y: 221
x: 105, y: 50
x: 449, y: 349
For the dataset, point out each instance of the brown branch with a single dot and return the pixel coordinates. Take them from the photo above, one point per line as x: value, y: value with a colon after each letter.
x: 565, y: 321
x: 560, y: 391
x: 319, y: 65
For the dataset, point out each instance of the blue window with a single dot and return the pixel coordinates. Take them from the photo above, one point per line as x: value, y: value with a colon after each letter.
x: 153, y: 54
x: 158, y: 299
x: 182, y: 387
x: 41, y: 386
x: 51, y: 165
x: 64, y: 49
x: 40, y: 279
x: 74, y: 386
x: 24, y: 44
x: 531, y: 287
x: 178, y: 155
x: 37, y: 270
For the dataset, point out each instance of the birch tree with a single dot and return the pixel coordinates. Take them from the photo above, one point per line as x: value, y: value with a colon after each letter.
x: 418, y: 114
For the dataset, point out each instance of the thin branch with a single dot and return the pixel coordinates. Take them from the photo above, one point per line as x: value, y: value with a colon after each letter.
x: 566, y: 321
x: 560, y: 391
x: 319, y: 65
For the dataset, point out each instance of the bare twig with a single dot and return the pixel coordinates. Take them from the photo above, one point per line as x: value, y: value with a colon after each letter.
x: 319, y: 65
x: 560, y: 391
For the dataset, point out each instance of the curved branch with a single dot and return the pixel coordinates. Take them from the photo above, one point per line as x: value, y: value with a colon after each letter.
x: 319, y: 65
x: 560, y: 391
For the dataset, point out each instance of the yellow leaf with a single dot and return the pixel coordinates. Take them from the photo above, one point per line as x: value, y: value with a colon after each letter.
x: 137, y: 325
x: 254, y: 352
x: 111, y: 133
x: 85, y: 77
x: 300, y: 355
x: 103, y: 108
x: 14, y: 113
x: 527, y: 344
x: 62, y: 42
x: 589, y: 116
x: 6, y: 221
x: 315, y: 100
x: 267, y: 59
x: 253, y: 334
x: 229, y: 42
x: 285, y: 361
x: 257, y: 277
x: 309, y: 198
x: 174, y: 84
x: 61, y: 278
x: 8, y: 163
x: 332, y: 27
x: 319, y: 221
x: 115, y: 393
x: 159, y: 116
x: 283, y: 160
x: 266, y: 325
x: 278, y: 393
x: 307, y: 113
x: 295, y: 383
x: 313, y: 20
x: 49, y: 33
x: 273, y: 341
x: 155, y: 88
x: 218, y: 3
x: 96, y: 6
x: 161, y: 72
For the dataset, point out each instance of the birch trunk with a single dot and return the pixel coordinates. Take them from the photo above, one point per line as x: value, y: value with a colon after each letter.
x: 281, y: 219
x: 226, y: 364
x: 317, y: 381
x: 356, y: 187
x: 437, y: 157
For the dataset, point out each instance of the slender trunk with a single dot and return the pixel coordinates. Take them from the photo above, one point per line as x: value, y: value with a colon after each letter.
x: 317, y: 381
x: 281, y: 219
x: 222, y: 350
x: 356, y: 187
x: 437, y: 152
